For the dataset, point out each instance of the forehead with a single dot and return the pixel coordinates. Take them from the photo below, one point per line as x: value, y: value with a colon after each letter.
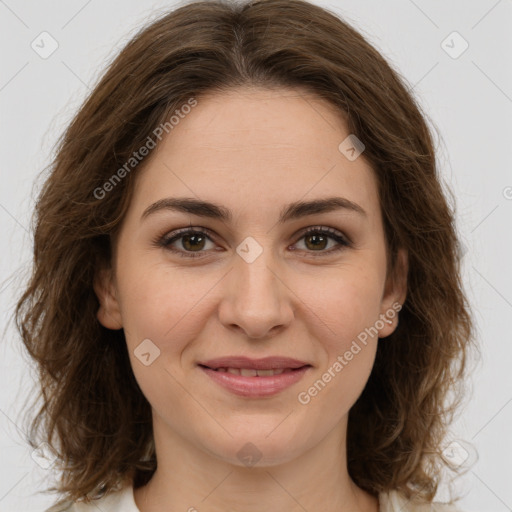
x: 252, y: 145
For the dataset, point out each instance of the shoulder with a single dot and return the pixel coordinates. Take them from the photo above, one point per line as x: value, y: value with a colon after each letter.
x: 393, y: 501
x: 117, y: 501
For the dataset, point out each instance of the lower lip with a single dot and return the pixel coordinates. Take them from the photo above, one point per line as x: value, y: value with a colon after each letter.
x: 256, y: 387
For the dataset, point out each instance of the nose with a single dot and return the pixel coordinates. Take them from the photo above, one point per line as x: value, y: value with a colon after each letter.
x: 256, y: 300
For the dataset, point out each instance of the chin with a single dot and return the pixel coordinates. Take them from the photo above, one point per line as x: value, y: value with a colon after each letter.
x: 258, y: 449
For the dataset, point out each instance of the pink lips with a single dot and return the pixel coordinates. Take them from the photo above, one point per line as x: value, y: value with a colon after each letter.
x: 289, y: 371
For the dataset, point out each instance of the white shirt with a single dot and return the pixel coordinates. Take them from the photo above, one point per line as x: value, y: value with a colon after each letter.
x: 123, y: 501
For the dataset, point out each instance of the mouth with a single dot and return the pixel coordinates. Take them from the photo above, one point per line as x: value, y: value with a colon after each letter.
x: 255, y: 378
x: 251, y: 372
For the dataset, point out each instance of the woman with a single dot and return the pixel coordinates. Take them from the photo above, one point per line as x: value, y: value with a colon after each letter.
x: 246, y: 291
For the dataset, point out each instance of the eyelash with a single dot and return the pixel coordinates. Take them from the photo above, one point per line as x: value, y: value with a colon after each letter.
x: 167, y: 240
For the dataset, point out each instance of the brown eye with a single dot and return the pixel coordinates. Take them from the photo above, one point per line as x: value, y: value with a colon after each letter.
x: 193, y: 242
x: 188, y: 243
x: 316, y: 240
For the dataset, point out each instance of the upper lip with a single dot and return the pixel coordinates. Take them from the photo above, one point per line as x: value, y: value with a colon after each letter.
x: 266, y: 363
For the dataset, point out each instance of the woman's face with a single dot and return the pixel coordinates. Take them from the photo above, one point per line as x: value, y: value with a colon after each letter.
x: 253, y: 284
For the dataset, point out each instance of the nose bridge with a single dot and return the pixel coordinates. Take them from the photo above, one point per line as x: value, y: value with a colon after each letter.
x: 258, y: 276
x: 257, y: 301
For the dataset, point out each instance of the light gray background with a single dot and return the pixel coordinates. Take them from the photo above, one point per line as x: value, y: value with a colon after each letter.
x: 469, y: 100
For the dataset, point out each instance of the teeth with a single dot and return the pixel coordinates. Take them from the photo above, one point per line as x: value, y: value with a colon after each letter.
x: 250, y: 372
x: 266, y: 373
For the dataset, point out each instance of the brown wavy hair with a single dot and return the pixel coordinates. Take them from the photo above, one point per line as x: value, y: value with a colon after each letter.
x: 91, y: 411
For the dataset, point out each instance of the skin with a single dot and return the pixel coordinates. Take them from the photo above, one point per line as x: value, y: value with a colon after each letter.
x: 253, y: 151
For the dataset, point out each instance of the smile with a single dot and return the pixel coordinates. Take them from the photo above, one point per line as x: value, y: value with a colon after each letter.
x: 254, y: 378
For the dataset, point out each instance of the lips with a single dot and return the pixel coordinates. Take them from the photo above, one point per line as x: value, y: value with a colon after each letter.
x: 255, y: 378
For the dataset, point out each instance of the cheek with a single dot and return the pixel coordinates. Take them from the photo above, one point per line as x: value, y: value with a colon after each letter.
x: 166, y: 307
x: 161, y: 315
x: 348, y: 345
x: 346, y: 303
x: 344, y: 311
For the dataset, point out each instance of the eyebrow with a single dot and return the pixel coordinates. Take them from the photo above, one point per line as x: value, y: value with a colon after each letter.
x: 296, y: 210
